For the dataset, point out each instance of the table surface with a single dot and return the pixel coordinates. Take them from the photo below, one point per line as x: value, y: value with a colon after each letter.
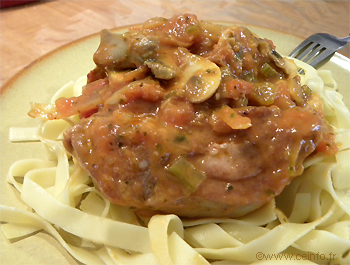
x: 29, y: 31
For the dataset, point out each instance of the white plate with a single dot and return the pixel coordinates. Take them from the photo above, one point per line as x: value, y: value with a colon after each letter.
x: 38, y: 82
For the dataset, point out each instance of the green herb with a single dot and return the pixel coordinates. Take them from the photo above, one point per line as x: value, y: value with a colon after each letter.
x: 119, y: 139
x: 180, y: 138
x: 159, y: 147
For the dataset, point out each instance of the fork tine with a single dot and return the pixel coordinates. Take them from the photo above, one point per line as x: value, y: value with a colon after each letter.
x: 300, y: 47
x: 317, y: 49
x: 324, y: 54
x: 306, y: 51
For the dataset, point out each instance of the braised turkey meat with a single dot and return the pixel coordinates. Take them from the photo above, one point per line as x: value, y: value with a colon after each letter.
x: 192, y: 118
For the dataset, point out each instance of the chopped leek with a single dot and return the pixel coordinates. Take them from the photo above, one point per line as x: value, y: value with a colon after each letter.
x: 268, y: 71
x: 307, y: 90
x: 187, y: 173
x: 194, y: 29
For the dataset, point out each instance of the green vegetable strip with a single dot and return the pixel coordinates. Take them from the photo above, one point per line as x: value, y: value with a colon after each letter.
x: 187, y: 173
x: 268, y: 71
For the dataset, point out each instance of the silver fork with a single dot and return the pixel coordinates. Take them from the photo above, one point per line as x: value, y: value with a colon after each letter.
x: 318, y: 47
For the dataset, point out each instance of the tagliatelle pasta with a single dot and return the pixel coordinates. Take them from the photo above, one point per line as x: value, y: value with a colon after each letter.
x: 308, y: 223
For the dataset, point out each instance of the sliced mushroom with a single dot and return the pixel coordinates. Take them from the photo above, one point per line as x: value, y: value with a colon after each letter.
x: 199, y: 77
x: 117, y: 78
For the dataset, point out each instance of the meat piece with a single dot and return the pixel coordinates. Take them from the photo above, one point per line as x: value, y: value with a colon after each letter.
x: 130, y: 50
x: 157, y: 140
x: 112, y: 51
x: 129, y: 156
